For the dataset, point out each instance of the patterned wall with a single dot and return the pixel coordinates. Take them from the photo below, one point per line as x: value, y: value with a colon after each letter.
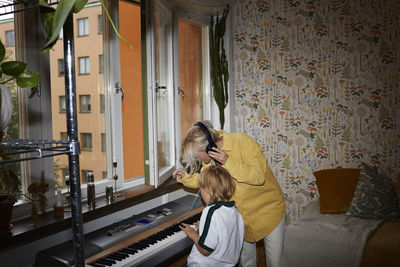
x: 317, y: 85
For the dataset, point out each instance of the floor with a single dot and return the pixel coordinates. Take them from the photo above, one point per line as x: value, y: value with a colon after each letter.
x: 260, y: 257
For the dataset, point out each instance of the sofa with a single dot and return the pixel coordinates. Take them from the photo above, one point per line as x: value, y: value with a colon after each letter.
x: 355, y: 221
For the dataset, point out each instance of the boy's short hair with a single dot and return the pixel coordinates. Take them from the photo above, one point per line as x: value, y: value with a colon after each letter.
x: 218, y: 182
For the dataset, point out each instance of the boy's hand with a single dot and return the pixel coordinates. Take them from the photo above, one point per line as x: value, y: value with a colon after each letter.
x: 190, y: 232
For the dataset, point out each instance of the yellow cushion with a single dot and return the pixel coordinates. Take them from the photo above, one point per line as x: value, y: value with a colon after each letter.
x: 336, y: 188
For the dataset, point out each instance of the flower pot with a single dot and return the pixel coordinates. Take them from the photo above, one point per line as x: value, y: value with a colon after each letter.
x: 6, y: 207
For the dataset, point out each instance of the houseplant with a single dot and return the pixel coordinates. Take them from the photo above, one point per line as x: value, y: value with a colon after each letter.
x: 219, y: 63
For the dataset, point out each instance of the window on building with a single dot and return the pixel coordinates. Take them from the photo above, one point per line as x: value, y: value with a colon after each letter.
x: 10, y: 38
x: 61, y: 36
x: 83, y: 27
x: 104, y: 175
x: 61, y: 67
x: 100, y: 23
x: 86, y: 141
x: 62, y: 104
x: 84, y: 65
x: 84, y: 104
x: 102, y: 103
x: 101, y: 63
x: 103, y: 142
x: 63, y: 136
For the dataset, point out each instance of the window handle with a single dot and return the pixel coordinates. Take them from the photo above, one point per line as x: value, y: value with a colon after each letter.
x: 181, y: 91
x: 160, y: 87
x: 118, y: 89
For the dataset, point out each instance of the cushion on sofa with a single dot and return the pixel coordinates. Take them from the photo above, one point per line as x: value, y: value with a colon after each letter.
x: 336, y: 188
x: 375, y: 196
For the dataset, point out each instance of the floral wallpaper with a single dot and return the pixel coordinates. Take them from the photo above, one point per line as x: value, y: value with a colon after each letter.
x: 316, y: 83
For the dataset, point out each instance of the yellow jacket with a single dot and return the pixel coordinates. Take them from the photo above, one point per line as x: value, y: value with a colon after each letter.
x: 258, y: 195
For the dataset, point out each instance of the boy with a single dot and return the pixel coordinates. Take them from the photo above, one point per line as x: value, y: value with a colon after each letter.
x: 221, y: 229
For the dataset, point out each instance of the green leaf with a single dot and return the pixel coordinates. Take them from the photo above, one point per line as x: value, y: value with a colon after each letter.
x: 79, y: 5
x: 28, y: 79
x: 13, y: 68
x: 2, y: 51
x: 63, y: 9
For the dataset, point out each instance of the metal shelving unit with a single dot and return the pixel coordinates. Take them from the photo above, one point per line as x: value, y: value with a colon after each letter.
x: 32, y: 149
x: 37, y: 149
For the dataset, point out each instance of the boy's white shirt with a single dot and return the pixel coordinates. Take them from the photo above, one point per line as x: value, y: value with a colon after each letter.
x: 224, y: 236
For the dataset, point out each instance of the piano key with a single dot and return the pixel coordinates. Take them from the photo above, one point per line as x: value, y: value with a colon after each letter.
x: 140, y: 252
x: 148, y: 251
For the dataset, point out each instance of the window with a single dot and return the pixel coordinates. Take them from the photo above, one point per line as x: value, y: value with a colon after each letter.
x: 86, y: 141
x: 103, y: 142
x: 61, y: 67
x: 102, y: 103
x: 61, y: 36
x: 132, y: 126
x: 84, y: 174
x: 10, y: 38
x: 63, y: 136
x: 101, y: 64
x: 84, y: 104
x: 62, y: 104
x: 83, y: 27
x: 84, y: 65
x: 100, y: 24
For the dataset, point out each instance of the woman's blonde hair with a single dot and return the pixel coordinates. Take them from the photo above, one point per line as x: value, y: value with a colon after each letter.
x: 218, y: 183
x: 195, y: 141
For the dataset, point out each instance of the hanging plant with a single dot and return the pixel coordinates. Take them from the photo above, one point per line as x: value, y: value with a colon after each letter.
x: 53, y: 19
x: 219, y: 63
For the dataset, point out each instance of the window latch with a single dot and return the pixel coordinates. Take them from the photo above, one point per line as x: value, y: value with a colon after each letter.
x: 160, y: 87
x: 180, y: 91
x: 118, y: 89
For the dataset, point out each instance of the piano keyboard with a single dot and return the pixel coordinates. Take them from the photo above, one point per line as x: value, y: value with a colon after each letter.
x: 101, y: 246
x: 137, y: 252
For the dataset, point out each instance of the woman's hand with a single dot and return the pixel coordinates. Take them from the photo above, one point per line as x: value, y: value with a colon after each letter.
x: 218, y: 155
x: 179, y: 172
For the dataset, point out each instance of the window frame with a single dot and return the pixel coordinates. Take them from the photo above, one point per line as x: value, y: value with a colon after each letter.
x: 85, y: 22
x: 112, y: 106
x: 10, y: 43
x: 62, y: 104
x: 85, y: 146
x: 86, y: 70
x: 85, y: 106
x: 61, y: 70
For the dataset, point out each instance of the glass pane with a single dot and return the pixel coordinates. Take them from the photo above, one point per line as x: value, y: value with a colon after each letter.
x: 164, y: 94
x: 7, y: 36
x: 91, y: 119
x: 190, y: 73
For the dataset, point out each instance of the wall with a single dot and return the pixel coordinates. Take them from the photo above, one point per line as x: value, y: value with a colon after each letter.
x: 316, y: 84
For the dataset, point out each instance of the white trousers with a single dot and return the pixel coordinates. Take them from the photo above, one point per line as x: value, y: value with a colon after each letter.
x: 273, y: 248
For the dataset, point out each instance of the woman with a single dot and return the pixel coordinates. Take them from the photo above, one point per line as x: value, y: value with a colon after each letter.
x: 258, y: 196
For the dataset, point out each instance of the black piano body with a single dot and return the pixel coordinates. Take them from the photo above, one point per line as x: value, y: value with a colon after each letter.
x: 122, y: 231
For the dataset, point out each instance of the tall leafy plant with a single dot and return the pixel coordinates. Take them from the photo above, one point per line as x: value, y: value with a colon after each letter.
x: 219, y: 63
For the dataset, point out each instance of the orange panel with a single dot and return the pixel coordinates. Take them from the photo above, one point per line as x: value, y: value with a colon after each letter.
x: 131, y: 82
x: 190, y: 74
